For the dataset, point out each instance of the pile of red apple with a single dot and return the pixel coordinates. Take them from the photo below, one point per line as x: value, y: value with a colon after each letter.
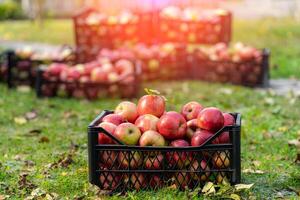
x: 191, y: 25
x: 149, y: 124
x: 99, y: 78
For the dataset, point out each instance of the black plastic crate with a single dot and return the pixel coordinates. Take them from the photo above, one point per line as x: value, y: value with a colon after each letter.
x: 120, y: 168
x: 22, y: 70
x: 50, y: 87
x: 3, y: 67
x: 252, y: 73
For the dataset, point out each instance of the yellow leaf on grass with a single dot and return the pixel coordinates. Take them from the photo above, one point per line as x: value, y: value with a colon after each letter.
x: 243, y: 186
x: 235, y: 197
x: 208, y: 188
x: 20, y: 120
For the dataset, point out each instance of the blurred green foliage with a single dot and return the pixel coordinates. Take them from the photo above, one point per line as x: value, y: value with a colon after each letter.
x: 10, y: 9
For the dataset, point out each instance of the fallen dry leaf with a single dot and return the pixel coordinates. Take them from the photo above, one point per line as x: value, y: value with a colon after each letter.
x: 20, y: 120
x: 235, y: 197
x: 31, y: 115
x: 24, y: 183
x: 243, y: 186
x: 256, y: 163
x: 208, y: 188
x: 44, y: 139
x: 251, y: 171
x: 3, y: 197
x: 33, y: 132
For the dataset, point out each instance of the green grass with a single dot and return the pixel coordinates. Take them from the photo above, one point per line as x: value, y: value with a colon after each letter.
x: 52, y: 31
x: 281, y: 36
x: 268, y: 123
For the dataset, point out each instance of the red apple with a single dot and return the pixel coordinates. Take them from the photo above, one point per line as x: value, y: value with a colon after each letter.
x: 154, y: 162
x: 109, y: 127
x: 210, y: 119
x: 152, y: 138
x: 114, y: 119
x: 133, y: 161
x: 128, y: 133
x: 108, y: 180
x: 137, y: 180
x: 124, y: 67
x: 180, y: 158
x: 224, y: 138
x: 147, y: 122
x: 56, y: 68
x: 182, y: 179
x: 172, y: 125
x: 127, y: 110
x: 156, y: 181
x: 195, y: 166
x: 191, y: 110
x: 202, y: 136
x: 228, y: 119
x: 151, y: 104
x: 108, y: 158
x: 192, y: 127
x: 98, y: 75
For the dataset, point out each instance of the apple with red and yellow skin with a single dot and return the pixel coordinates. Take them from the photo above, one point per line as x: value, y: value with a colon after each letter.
x: 98, y: 75
x: 133, y: 161
x: 147, y: 122
x: 108, y: 180
x: 114, y: 119
x: 180, y: 158
x: 151, y: 104
x: 89, y: 67
x: 154, y: 162
x: 156, y: 181
x: 192, y: 127
x: 108, y: 158
x: 203, y: 166
x: 210, y: 119
x: 124, y: 67
x: 191, y: 110
x: 152, y: 138
x: 201, y: 137
x: 182, y: 179
x: 128, y: 133
x: 172, y: 125
x: 220, y: 177
x: 138, y: 180
x: 56, y: 68
x: 110, y: 128
x: 221, y: 159
x: 127, y: 110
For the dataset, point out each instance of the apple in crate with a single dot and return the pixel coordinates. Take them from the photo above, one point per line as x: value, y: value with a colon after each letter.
x: 124, y: 67
x: 147, y: 122
x: 129, y: 159
x: 200, y: 166
x: 152, y: 138
x: 128, y: 133
x: 221, y: 159
x: 98, y: 75
x: 151, y: 104
x: 191, y: 110
x: 114, y: 119
x: 210, y: 119
x: 228, y: 121
x: 179, y: 158
x: 182, y: 179
x: 154, y: 162
x: 137, y: 180
x: 172, y: 125
x: 109, y: 180
x: 201, y: 136
x: 110, y: 128
x: 192, y: 127
x: 56, y: 68
x: 127, y: 110
x: 108, y: 159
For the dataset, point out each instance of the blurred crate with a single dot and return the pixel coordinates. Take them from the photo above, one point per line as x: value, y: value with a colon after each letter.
x: 3, y: 67
x: 108, y: 172
x: 205, y: 31
x: 127, y: 87
x: 252, y: 73
x: 21, y: 70
x: 91, y: 36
